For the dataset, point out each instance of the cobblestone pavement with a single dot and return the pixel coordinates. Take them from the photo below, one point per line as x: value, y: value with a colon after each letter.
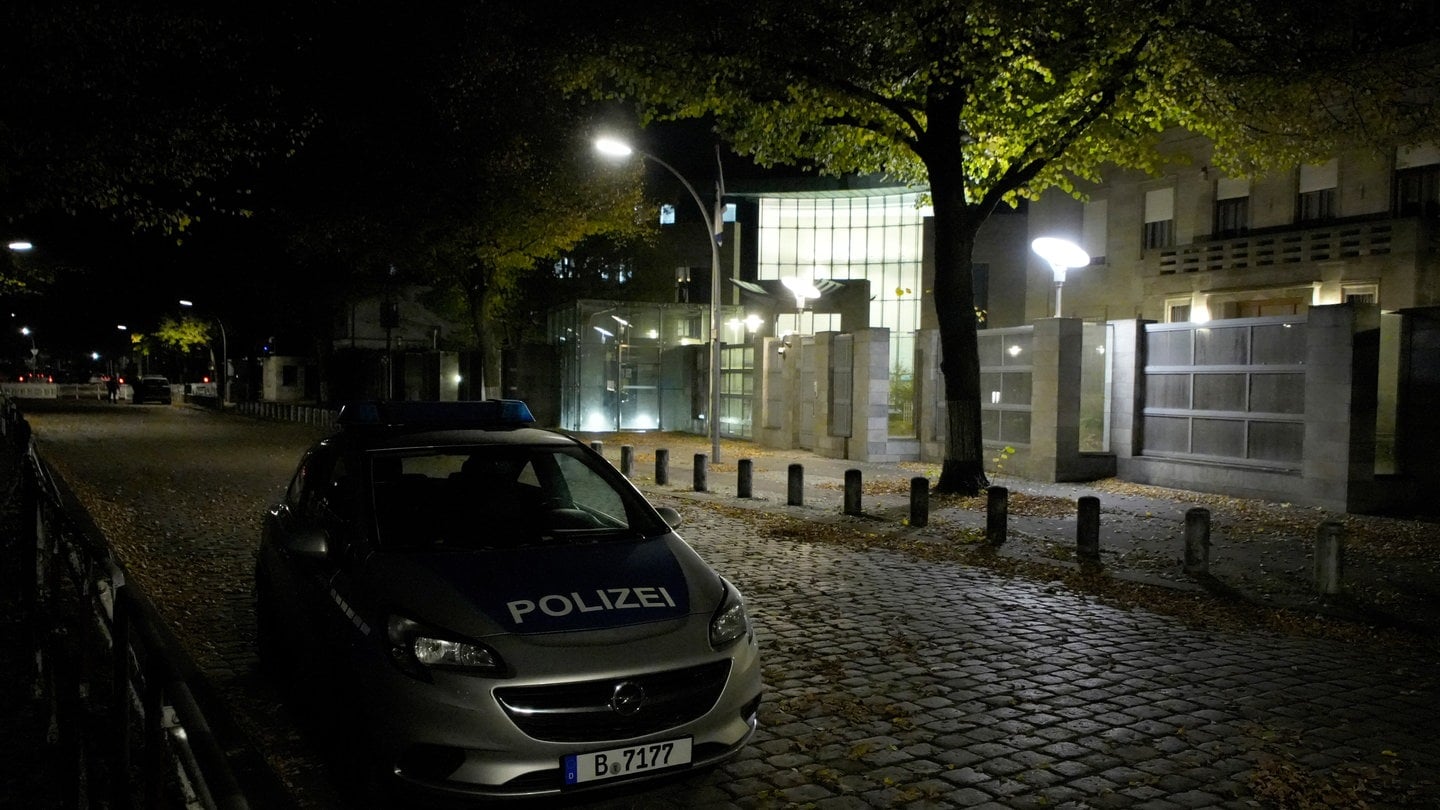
x: 892, y: 681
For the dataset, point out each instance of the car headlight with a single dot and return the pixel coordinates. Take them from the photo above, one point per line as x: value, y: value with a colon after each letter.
x: 417, y: 649
x: 730, y: 621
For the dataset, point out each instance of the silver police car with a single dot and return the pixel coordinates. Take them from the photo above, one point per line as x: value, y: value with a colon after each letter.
x: 496, y: 610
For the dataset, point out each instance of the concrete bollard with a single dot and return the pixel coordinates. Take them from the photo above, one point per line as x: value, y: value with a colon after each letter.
x: 1197, y: 541
x: 1329, y: 557
x: 745, y: 479
x: 997, y: 515
x: 919, y: 501
x: 852, y: 492
x: 795, y: 486
x: 662, y: 466
x: 1087, y: 529
x: 627, y: 460
x: 702, y: 472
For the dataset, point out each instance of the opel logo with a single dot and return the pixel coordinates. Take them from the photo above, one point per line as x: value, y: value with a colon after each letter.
x: 628, y: 698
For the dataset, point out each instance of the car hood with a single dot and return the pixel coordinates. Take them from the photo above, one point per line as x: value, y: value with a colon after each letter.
x: 546, y: 588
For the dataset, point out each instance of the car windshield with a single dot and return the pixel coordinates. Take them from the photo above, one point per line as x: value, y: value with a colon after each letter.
x: 495, y: 497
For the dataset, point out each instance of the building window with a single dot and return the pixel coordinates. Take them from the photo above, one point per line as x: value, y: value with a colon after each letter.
x: 1315, y: 206
x: 1177, y: 310
x: 877, y: 238
x: 1159, y: 219
x: 1315, y: 201
x: 1232, y: 217
x: 1360, y: 293
x: 1417, y: 191
x: 1232, y: 207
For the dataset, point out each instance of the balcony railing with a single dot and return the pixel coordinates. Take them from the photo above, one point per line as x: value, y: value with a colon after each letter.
x: 1329, y: 242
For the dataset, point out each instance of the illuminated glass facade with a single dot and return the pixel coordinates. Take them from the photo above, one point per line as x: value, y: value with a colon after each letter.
x: 628, y: 365
x: 879, y: 238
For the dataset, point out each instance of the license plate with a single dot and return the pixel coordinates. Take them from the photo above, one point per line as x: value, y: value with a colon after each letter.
x: 633, y: 759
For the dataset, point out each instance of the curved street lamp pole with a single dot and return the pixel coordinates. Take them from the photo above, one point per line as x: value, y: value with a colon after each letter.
x: 609, y: 146
x: 224, y: 375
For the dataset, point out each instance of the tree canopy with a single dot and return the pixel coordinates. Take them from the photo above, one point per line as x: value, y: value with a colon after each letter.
x: 441, y: 156
x: 149, y: 112
x: 988, y: 101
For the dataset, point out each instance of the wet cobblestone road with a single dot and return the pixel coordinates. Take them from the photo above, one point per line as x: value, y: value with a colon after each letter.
x: 892, y: 682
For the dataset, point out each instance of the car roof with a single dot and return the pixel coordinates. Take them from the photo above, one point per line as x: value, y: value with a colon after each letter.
x: 397, y: 425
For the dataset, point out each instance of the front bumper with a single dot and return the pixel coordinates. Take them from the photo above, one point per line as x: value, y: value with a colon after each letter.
x: 453, y: 738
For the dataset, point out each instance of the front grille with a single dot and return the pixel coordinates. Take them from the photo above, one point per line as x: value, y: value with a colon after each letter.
x: 580, y: 711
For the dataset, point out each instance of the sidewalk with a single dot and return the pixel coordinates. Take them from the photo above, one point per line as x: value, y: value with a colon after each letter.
x: 1260, y: 556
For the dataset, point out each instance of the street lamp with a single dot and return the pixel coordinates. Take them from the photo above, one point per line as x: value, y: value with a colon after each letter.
x: 20, y: 246
x: 615, y: 148
x: 1061, y: 254
x: 34, y: 352
x: 224, y: 357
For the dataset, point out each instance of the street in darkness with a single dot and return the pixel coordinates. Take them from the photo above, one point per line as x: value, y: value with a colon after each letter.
x: 891, y: 681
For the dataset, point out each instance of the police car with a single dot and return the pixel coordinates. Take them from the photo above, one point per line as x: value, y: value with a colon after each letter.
x: 495, y: 610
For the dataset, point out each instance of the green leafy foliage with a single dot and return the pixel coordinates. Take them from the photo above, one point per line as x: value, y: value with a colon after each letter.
x: 183, y: 334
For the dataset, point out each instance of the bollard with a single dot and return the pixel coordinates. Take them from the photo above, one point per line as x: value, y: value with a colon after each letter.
x: 852, y: 492
x: 598, y: 446
x: 1329, y: 557
x: 662, y: 466
x: 745, y: 479
x: 997, y: 515
x: 919, y: 501
x: 702, y: 474
x: 1197, y: 541
x: 1087, y: 529
x: 795, y: 488
x: 627, y: 460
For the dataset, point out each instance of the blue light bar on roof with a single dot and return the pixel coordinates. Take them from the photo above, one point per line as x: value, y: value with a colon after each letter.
x: 488, y: 413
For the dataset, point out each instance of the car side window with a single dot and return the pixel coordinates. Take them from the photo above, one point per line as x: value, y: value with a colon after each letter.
x: 294, y: 493
x: 309, y: 490
x: 335, y: 497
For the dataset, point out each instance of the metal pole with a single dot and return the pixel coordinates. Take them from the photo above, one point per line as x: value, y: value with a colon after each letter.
x: 713, y: 417
x: 224, y: 365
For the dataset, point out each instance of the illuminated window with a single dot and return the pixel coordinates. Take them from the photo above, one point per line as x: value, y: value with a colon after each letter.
x: 875, y: 238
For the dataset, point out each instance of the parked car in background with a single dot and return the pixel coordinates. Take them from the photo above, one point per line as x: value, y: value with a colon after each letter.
x: 492, y: 609
x: 152, y: 388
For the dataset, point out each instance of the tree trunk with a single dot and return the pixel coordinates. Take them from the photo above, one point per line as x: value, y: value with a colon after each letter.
x: 956, y: 223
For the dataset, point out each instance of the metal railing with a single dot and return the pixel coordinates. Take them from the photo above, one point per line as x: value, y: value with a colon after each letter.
x: 105, y: 659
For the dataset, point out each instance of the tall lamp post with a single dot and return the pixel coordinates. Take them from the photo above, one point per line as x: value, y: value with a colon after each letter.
x: 614, y: 148
x: 1062, y: 254
x: 34, y: 352
x: 224, y: 357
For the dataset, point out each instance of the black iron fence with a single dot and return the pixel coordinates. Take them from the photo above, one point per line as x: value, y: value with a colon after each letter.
x: 133, y: 723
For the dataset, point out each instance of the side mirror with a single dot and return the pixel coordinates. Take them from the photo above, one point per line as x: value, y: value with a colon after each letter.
x: 670, y: 516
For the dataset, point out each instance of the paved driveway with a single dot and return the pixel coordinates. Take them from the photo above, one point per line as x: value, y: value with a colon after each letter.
x: 893, y: 682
